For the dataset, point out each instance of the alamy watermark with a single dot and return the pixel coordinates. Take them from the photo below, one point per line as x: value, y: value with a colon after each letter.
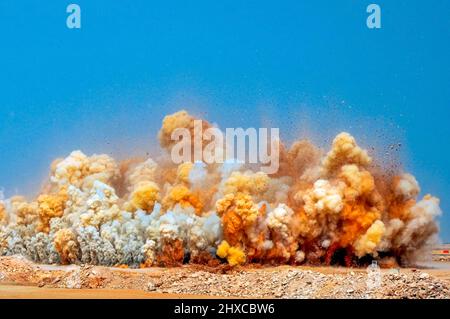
x: 73, y: 20
x: 253, y: 146
x: 374, y: 19
x: 374, y: 277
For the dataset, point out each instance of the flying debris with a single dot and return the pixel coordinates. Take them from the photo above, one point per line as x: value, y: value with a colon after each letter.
x: 332, y: 206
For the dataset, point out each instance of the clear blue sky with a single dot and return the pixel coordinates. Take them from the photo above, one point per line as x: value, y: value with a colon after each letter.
x: 310, y: 67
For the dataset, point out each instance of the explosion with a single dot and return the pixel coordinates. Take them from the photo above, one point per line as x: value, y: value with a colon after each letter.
x: 146, y: 212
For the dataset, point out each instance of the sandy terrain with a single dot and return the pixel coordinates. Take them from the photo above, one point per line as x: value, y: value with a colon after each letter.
x: 33, y: 292
x: 20, y: 278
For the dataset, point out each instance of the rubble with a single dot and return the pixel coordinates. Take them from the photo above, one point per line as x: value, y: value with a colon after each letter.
x: 244, y: 282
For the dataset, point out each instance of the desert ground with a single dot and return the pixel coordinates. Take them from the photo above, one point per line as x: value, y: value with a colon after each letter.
x: 20, y: 278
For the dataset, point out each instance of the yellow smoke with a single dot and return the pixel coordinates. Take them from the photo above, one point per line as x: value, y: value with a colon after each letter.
x: 234, y: 255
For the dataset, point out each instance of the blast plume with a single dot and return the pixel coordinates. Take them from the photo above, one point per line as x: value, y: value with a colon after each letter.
x: 150, y: 212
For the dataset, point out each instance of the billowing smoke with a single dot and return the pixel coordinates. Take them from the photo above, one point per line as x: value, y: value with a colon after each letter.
x: 319, y: 205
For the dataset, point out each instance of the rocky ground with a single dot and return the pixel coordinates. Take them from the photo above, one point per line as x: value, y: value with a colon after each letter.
x: 22, y: 278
